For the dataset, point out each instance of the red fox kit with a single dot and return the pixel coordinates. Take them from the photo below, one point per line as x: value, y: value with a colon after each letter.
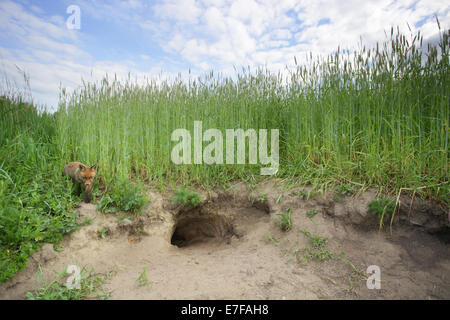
x: 81, y: 174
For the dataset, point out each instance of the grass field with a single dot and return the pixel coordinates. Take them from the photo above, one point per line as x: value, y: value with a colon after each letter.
x: 378, y: 117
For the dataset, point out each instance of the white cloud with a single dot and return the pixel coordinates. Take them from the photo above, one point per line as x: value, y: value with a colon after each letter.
x: 250, y: 32
x: 17, y: 21
x: 186, y: 11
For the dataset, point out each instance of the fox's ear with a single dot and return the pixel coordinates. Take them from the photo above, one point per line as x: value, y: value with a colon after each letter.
x: 82, y: 167
x: 94, y: 167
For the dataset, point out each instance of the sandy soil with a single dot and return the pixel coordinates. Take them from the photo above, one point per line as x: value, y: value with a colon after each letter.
x: 231, y: 247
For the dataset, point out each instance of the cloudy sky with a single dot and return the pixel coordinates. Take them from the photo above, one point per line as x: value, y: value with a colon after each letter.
x: 164, y: 38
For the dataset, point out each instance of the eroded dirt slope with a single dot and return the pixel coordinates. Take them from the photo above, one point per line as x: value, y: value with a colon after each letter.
x: 231, y: 247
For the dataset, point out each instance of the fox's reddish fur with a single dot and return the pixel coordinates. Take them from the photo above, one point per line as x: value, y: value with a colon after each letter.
x: 81, y: 174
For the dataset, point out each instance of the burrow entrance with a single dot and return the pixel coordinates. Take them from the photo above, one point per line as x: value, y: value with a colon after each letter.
x: 214, y: 222
x: 195, y: 226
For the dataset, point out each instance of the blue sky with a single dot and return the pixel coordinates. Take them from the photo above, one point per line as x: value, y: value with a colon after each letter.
x: 159, y: 39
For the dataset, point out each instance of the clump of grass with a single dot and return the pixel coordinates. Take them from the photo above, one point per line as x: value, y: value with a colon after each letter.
x: 126, y: 196
x: 306, y: 194
x: 317, y: 251
x: 90, y: 285
x: 382, y: 208
x: 303, y: 194
x: 319, y: 254
x: 107, y: 204
x: 316, y: 241
x: 311, y: 213
x: 345, y: 190
x: 182, y: 196
x: 263, y: 197
x: 285, y: 221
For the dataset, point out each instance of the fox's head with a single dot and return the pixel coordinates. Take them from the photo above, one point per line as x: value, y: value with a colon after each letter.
x: 88, y: 174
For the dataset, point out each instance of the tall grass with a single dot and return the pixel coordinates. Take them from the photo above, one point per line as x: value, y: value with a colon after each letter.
x: 378, y: 116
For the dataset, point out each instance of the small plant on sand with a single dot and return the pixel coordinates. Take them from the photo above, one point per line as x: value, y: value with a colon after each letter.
x: 311, y: 213
x: 319, y: 254
x: 303, y: 194
x: 186, y: 197
x: 263, y: 197
x: 142, y: 280
x: 285, y: 221
x: 280, y: 197
x: 270, y: 239
x: 317, y: 251
x: 356, y: 274
x: 102, y: 233
x: 90, y: 285
x: 87, y: 221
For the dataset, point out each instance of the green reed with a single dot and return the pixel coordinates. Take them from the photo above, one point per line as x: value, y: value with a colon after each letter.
x: 377, y: 116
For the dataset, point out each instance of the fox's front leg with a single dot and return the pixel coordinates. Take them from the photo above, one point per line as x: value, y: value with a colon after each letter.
x: 77, y: 188
x: 87, y: 193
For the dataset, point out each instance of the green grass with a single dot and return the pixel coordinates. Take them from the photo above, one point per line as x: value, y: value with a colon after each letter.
x: 90, y: 285
x: 317, y: 242
x: 182, y: 196
x: 345, y: 190
x: 317, y: 250
x: 35, y: 202
x: 382, y: 208
x: 303, y: 195
x: 318, y: 254
x: 125, y: 195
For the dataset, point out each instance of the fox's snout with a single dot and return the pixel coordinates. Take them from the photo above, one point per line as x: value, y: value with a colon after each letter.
x: 88, y: 181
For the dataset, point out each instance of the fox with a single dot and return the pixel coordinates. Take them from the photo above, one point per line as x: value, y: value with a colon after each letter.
x: 81, y: 174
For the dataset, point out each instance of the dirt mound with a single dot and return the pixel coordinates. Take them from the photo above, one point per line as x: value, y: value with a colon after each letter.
x: 426, y: 215
x: 231, y: 246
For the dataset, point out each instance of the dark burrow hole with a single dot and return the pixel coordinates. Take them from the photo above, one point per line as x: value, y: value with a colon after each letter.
x: 192, y: 229
x: 443, y: 235
x: 217, y: 222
